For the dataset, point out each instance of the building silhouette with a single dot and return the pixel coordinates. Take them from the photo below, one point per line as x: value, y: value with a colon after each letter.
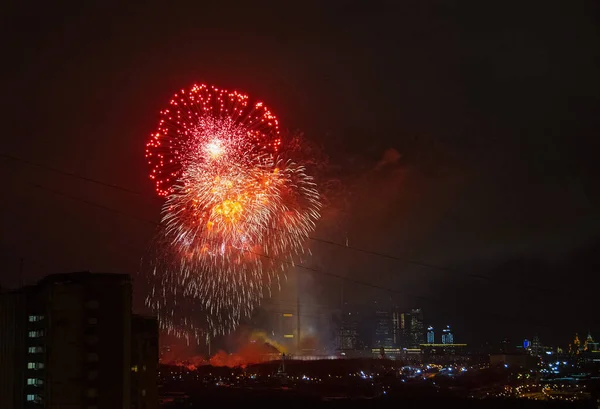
x: 72, y: 341
x: 412, y: 328
x: 396, y: 330
x: 536, y: 346
x: 447, y: 335
x: 348, y: 331
x: 384, y: 337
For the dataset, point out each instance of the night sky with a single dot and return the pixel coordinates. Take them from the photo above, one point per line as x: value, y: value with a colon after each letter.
x: 463, y: 133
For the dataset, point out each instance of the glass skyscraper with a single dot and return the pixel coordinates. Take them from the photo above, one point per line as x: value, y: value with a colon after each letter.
x: 430, y: 335
x: 447, y: 336
x: 412, y: 328
x: 384, y: 334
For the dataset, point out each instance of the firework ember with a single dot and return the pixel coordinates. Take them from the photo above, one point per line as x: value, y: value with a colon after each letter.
x: 237, y: 211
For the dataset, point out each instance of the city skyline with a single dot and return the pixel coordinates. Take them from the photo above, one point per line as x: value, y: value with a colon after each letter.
x: 292, y: 204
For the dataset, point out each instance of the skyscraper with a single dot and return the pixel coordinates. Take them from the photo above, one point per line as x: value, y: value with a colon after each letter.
x: 412, y: 328
x: 430, y: 335
x: 536, y: 346
x: 67, y: 342
x: 348, y: 332
x: 384, y: 336
x: 396, y: 330
x: 447, y: 335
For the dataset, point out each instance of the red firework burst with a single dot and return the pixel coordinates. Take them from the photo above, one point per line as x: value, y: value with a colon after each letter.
x: 208, y: 113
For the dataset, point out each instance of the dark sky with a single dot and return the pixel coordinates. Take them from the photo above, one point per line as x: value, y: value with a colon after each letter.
x: 492, y: 108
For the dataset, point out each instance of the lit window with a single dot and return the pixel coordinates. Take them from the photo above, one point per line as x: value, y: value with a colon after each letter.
x: 35, y: 381
x: 35, y: 350
x: 35, y: 365
x: 31, y: 397
x: 36, y: 334
x: 35, y: 318
x: 143, y: 392
x: 134, y: 368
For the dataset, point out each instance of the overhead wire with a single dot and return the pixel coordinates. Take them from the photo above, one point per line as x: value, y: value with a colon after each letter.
x: 153, y: 223
x: 295, y: 265
x: 316, y: 239
x: 418, y: 263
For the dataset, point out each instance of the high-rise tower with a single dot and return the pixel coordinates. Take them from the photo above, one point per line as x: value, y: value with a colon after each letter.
x: 412, y: 328
x: 67, y: 342
x: 430, y: 335
x: 447, y: 335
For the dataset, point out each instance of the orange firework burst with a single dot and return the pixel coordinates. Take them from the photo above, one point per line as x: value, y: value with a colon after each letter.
x: 236, y: 211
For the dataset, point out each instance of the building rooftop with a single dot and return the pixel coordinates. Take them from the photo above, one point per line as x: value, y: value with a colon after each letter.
x: 81, y: 277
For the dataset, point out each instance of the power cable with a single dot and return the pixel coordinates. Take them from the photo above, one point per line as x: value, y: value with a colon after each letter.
x: 300, y: 266
x: 316, y: 239
x: 320, y: 240
x: 110, y: 209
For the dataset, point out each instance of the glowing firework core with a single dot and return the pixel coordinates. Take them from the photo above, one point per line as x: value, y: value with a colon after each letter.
x: 215, y: 148
x: 229, y: 210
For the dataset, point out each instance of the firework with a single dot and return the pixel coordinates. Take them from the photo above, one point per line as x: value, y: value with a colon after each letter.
x: 237, y: 210
x: 202, y: 123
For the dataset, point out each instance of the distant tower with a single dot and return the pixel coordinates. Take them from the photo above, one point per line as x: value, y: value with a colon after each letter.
x: 575, y: 347
x: 412, y: 328
x: 396, y: 328
x: 447, y: 335
x: 590, y: 345
x: 430, y: 335
x: 418, y: 329
x: 348, y: 331
x: 384, y: 336
x: 536, y: 346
